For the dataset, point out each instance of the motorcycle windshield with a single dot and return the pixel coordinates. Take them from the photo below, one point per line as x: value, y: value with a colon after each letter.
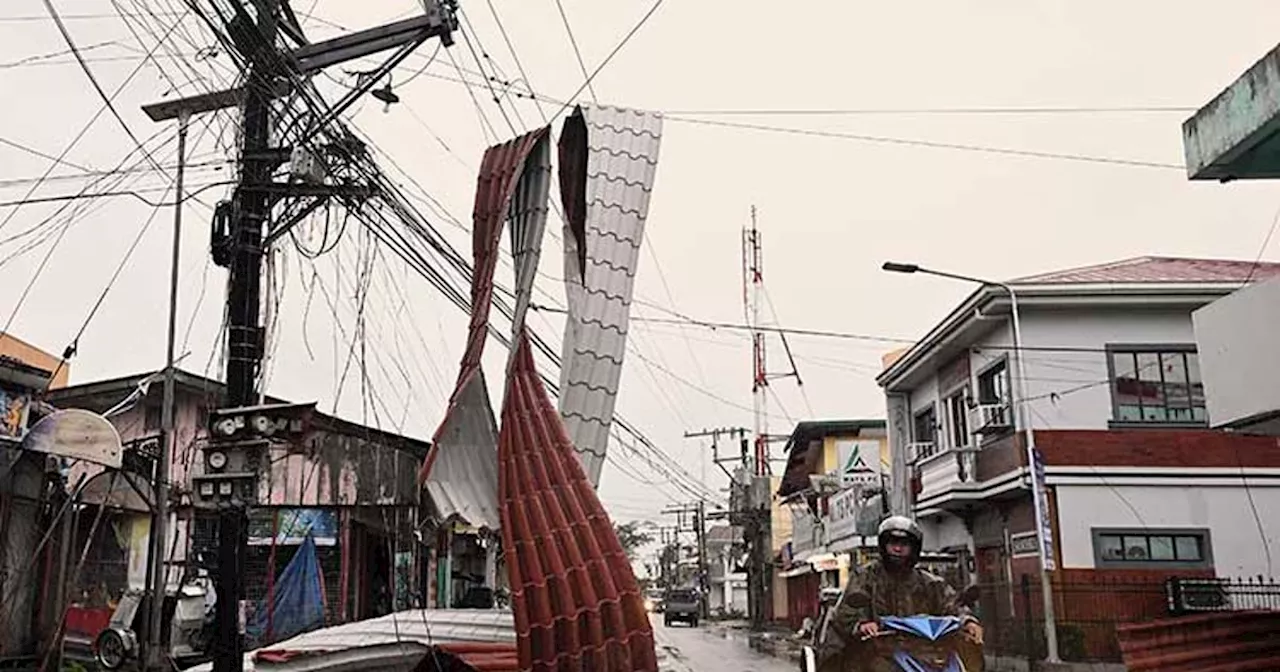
x: 909, y: 664
x: 931, y: 628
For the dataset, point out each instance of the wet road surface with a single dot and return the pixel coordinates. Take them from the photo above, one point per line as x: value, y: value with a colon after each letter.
x: 710, y: 649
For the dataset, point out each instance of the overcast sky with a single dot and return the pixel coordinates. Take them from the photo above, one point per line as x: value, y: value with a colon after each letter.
x: 831, y: 209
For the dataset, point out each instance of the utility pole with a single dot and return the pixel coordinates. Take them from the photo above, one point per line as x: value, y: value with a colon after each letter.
x: 752, y: 299
x: 243, y: 429
x: 715, y: 434
x: 157, y: 559
x: 692, y: 517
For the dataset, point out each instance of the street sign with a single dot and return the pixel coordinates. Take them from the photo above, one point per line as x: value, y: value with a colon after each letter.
x: 1044, y: 528
x: 859, y: 462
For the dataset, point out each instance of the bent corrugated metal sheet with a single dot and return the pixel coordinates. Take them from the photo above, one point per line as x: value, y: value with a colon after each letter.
x: 608, y: 158
x: 460, y: 472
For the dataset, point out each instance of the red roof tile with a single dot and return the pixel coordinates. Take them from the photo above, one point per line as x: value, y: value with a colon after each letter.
x: 1158, y: 270
x: 576, y: 601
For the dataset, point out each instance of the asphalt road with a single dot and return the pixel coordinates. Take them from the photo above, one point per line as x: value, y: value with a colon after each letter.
x: 710, y: 649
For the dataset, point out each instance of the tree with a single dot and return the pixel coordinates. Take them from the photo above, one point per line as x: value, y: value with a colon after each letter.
x: 632, y: 537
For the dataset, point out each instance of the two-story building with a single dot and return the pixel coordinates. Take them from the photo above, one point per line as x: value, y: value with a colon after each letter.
x: 832, y: 492
x: 1138, y: 484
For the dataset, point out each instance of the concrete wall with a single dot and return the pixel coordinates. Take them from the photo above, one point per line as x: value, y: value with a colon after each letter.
x: 1236, y: 337
x: 1069, y: 390
x: 944, y: 531
x: 1238, y: 545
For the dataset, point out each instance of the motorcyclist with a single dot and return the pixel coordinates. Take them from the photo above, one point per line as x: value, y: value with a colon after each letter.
x: 894, y: 586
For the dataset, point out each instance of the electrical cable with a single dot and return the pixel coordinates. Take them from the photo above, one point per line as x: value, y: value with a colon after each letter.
x: 932, y: 111
x: 616, y: 49
x: 879, y: 139
x: 573, y: 41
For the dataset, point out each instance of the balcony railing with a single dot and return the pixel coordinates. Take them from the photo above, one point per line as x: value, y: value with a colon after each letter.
x: 940, y: 468
x: 991, y: 418
x: 920, y: 451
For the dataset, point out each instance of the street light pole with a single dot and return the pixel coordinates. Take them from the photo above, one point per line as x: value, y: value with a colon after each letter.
x: 1039, y: 497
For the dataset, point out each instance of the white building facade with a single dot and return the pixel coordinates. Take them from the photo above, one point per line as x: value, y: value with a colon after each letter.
x: 1137, y: 479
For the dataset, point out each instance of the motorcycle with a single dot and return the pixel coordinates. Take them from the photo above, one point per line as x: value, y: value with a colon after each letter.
x: 906, y: 644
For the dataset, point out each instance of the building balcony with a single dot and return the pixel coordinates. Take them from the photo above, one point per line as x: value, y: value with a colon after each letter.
x: 942, y: 474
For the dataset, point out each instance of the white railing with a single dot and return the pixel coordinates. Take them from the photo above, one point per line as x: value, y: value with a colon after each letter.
x: 920, y: 451
x: 986, y: 418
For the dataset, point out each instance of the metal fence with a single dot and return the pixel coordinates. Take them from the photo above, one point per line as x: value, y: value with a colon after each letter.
x: 1087, y: 612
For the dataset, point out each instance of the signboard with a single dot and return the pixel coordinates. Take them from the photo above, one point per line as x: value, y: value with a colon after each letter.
x: 1023, y: 545
x: 859, y: 462
x: 76, y: 434
x: 842, y: 517
x: 292, y: 526
x: 1044, y: 528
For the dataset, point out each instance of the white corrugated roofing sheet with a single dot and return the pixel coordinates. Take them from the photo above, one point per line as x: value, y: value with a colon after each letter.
x: 622, y: 157
x: 373, y: 637
x: 464, y: 477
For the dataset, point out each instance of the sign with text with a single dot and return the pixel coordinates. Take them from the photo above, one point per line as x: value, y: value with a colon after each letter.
x: 1024, y: 545
x: 859, y: 462
x: 842, y: 516
x: 1044, y: 526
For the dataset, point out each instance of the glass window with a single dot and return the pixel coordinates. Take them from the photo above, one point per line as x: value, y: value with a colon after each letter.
x: 1135, y: 548
x: 1121, y: 548
x: 1157, y: 386
x: 1110, y: 547
x: 925, y: 430
x: 1161, y: 548
x: 957, y: 412
x: 1188, y: 549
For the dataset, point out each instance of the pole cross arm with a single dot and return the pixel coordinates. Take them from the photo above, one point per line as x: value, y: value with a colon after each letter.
x: 438, y: 21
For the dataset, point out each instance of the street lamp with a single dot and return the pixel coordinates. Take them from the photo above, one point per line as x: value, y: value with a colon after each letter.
x: 1039, y: 498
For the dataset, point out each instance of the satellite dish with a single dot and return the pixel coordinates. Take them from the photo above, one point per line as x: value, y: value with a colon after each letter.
x: 76, y: 434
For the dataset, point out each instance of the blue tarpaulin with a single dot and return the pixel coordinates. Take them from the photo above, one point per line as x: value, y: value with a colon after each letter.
x: 298, y: 603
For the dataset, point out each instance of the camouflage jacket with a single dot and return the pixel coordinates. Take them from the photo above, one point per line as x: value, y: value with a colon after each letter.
x: 875, y: 593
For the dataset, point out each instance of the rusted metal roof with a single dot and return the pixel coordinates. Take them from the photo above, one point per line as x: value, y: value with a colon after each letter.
x: 460, y: 473
x: 608, y: 158
x: 1158, y: 270
x: 1242, y: 641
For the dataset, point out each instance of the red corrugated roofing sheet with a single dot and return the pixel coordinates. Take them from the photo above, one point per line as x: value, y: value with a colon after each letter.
x: 1159, y: 269
x: 576, y: 601
x: 1242, y: 641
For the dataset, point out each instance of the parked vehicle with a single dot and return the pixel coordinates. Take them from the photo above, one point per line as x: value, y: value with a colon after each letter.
x: 905, y: 644
x: 189, y: 632
x: 681, y: 605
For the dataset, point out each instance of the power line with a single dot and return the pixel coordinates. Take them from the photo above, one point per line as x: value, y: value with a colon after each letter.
x: 743, y: 327
x: 869, y: 111
x: 573, y: 41
x: 880, y: 139
x: 625, y: 39
x: 36, y: 152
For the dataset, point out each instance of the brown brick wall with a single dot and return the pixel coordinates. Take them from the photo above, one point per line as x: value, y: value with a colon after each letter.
x: 1132, y: 448
x: 1157, y: 448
